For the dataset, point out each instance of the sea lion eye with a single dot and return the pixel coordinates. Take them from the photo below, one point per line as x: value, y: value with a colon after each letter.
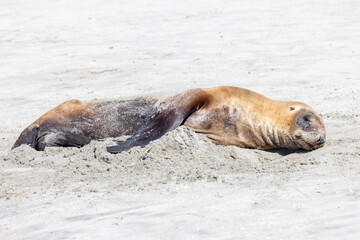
x: 304, y: 122
x: 307, y: 118
x: 292, y: 108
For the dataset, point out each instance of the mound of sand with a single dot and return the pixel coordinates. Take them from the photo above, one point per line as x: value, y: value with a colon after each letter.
x: 179, y: 156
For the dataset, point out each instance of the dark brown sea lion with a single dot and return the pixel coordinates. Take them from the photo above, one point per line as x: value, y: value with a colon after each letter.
x: 226, y: 115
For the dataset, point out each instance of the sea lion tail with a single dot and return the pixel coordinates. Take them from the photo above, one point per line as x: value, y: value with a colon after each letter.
x: 173, y: 112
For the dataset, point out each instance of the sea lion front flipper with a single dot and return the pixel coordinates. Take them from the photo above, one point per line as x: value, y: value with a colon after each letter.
x: 173, y: 112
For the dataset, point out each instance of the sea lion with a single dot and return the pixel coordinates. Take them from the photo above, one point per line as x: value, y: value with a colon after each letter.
x: 226, y: 115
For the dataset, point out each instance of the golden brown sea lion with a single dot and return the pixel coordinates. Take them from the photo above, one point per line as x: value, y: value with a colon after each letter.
x: 226, y: 115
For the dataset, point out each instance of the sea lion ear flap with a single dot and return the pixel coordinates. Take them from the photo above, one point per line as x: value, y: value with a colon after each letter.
x: 173, y: 112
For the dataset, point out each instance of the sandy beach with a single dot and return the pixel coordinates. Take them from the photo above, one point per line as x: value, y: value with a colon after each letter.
x: 181, y: 186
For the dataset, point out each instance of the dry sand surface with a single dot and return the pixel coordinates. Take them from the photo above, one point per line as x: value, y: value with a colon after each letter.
x: 181, y: 186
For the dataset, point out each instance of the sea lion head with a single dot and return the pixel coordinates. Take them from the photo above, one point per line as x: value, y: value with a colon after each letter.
x: 307, y: 128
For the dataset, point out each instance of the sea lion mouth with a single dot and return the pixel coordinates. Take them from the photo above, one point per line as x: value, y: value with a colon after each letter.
x: 321, y: 140
x: 310, y: 141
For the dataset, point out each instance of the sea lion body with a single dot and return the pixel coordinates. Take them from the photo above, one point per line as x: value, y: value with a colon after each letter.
x: 227, y: 115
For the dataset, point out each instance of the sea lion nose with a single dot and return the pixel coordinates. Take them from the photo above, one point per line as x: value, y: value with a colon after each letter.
x: 321, y: 140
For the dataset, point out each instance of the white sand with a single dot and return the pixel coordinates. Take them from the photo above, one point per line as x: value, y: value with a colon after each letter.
x: 183, y: 187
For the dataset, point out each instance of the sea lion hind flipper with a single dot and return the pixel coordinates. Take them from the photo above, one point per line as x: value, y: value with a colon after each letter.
x: 28, y: 137
x: 173, y: 113
x: 68, y: 139
x: 60, y: 139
